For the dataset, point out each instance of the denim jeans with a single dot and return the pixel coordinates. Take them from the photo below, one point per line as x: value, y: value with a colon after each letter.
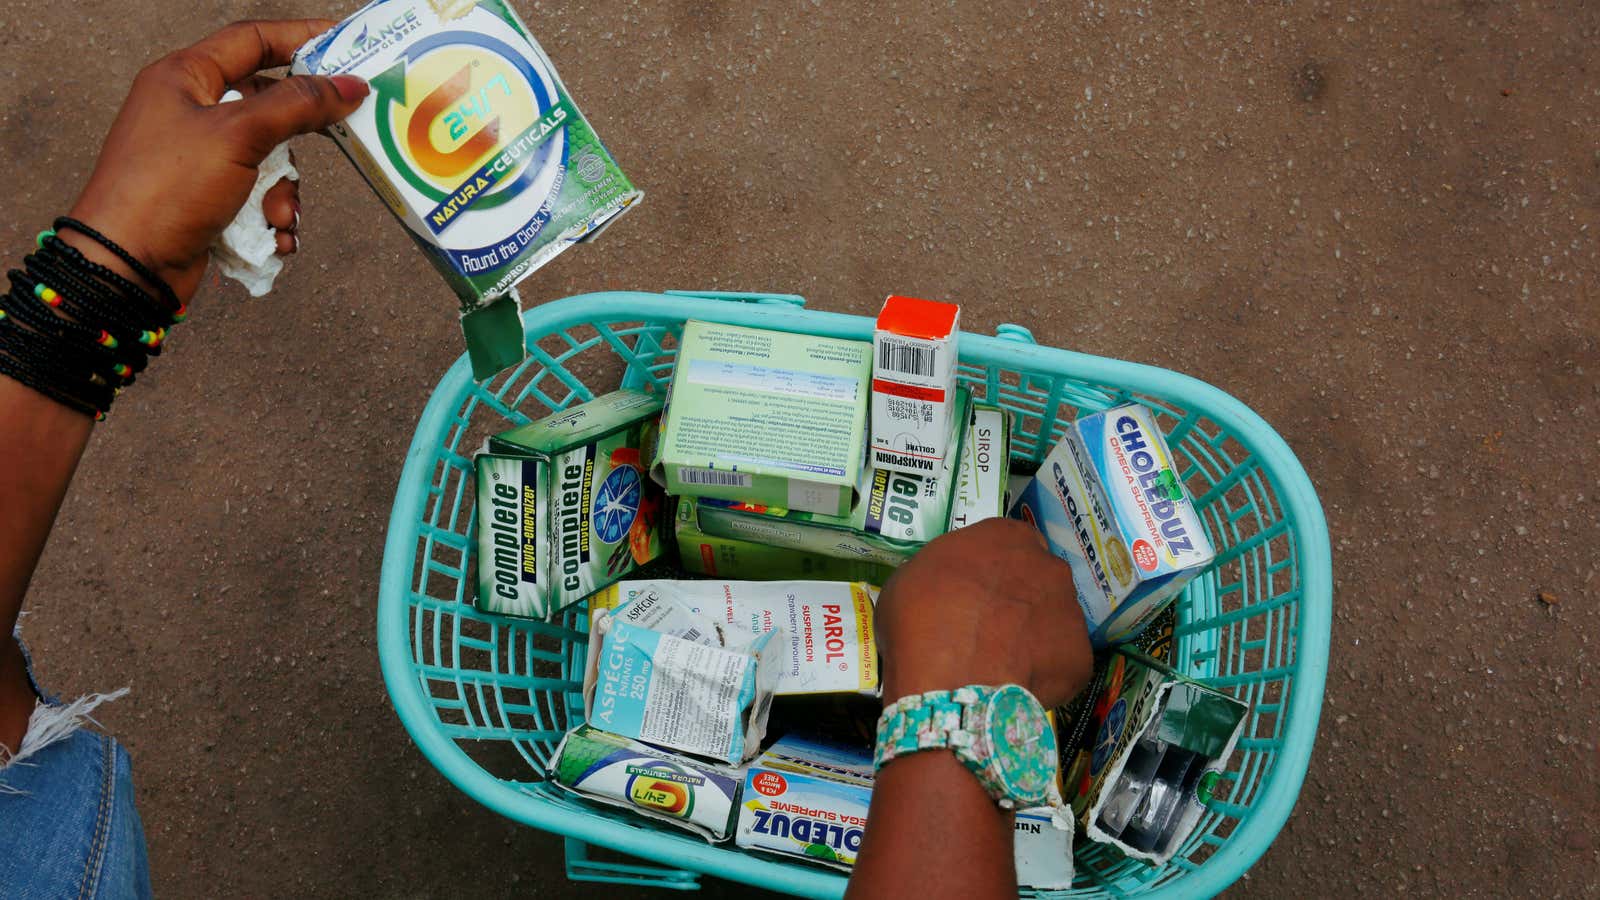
x: 68, y: 826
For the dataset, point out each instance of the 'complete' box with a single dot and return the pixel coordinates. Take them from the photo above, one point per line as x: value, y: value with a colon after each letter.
x: 766, y: 417
x: 565, y: 507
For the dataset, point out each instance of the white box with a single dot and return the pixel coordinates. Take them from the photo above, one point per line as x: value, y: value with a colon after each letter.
x: 913, y: 384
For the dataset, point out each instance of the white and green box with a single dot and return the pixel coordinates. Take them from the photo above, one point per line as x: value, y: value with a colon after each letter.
x: 471, y: 139
x: 895, y: 513
x: 980, y: 490
x: 766, y: 417
x: 1145, y: 754
x: 700, y: 553
x: 678, y: 692
x: 607, y: 768
x: 565, y: 507
x: 1108, y: 500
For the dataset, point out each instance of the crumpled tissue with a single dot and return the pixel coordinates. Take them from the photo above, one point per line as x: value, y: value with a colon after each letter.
x: 247, y: 251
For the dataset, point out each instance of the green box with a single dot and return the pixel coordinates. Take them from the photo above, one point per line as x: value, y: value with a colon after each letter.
x: 565, y: 507
x: 723, y: 557
x: 895, y: 515
x: 559, y: 431
x: 1146, y: 735
x: 766, y: 417
x: 473, y: 142
x: 668, y: 787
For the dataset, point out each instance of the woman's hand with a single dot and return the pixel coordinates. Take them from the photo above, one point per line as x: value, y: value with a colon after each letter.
x: 984, y: 605
x: 176, y: 167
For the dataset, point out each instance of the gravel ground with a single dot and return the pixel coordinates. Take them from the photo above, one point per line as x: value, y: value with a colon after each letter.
x: 1374, y: 223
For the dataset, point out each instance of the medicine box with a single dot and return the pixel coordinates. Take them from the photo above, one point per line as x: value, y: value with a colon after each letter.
x: 914, y: 383
x: 471, y: 139
x: 565, y: 506
x: 895, y: 513
x: 1139, y: 775
x: 766, y: 417
x: 1109, y: 501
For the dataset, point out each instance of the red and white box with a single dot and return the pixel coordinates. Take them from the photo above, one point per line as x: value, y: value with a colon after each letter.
x: 914, y: 385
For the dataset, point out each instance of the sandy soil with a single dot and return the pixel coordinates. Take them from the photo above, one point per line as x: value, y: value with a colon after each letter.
x: 1375, y: 223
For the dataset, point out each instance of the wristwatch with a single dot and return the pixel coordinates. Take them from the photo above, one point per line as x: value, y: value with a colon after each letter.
x: 999, y: 733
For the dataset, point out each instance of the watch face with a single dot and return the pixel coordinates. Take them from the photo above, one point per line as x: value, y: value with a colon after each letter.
x: 1024, y: 745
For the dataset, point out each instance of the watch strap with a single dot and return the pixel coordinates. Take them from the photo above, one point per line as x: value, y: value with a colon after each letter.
x: 939, y: 720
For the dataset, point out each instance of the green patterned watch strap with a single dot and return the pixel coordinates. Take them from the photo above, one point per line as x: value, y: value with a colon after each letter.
x: 922, y: 722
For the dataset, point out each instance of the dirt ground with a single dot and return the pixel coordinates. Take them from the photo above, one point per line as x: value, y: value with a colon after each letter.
x: 1375, y: 223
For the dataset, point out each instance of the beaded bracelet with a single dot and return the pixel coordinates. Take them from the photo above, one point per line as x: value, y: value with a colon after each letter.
x: 133, y: 300
x: 31, y: 350
x: 79, y: 332
x: 34, y: 310
x: 139, y: 268
x: 27, y: 377
x: 87, y: 299
x: 95, y: 347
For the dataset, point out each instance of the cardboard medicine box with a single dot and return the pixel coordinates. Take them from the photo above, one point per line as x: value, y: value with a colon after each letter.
x: 985, y: 463
x: 895, y: 513
x: 687, y: 793
x: 829, y: 646
x: 471, y: 139
x: 807, y: 798
x: 1153, y: 749
x: 1108, y: 500
x: 707, y: 554
x: 686, y: 693
x: 913, y: 384
x: 766, y: 417
x: 565, y: 506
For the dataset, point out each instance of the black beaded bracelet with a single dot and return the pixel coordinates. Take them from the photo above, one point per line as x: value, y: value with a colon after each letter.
x: 139, y: 268
x: 85, y: 299
x: 38, y: 354
x: 73, y: 345
x: 134, y: 300
x: 32, y: 379
x: 79, y: 332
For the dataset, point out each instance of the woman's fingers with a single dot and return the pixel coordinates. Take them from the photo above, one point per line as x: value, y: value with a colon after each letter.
x: 244, y: 48
x: 253, y: 85
x: 281, y: 205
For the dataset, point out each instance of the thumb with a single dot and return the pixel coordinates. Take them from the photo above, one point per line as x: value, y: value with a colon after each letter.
x: 299, y: 104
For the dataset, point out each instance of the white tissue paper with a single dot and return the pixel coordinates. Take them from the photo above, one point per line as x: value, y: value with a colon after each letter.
x: 247, y: 251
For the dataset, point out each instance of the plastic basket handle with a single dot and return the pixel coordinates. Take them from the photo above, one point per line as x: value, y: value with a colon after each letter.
x: 794, y: 300
x: 581, y: 868
x: 1017, y: 333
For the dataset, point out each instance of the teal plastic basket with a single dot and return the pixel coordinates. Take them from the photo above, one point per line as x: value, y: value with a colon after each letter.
x: 486, y: 698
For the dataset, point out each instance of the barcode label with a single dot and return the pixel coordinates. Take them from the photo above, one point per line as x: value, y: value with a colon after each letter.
x: 692, y: 634
x: 909, y: 359
x: 715, y: 477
